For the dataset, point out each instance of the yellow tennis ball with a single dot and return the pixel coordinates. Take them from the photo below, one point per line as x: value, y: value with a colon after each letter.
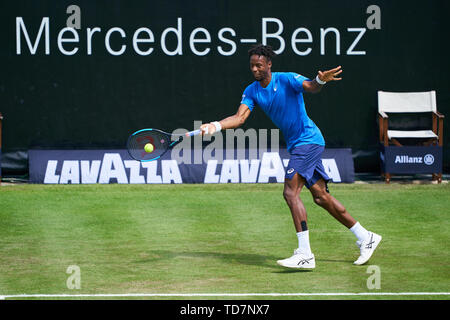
x: 149, y: 148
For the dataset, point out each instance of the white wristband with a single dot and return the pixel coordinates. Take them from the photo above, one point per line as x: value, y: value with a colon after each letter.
x: 320, y: 81
x: 217, y: 125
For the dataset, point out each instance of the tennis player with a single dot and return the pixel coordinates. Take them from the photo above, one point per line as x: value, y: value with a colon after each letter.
x: 280, y: 95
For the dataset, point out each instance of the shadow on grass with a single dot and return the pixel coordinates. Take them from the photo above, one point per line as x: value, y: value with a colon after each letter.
x: 228, y: 258
x: 283, y: 270
x: 264, y: 261
x: 336, y: 260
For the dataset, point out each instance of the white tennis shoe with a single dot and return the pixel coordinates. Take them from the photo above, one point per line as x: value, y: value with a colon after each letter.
x: 367, y: 247
x: 299, y: 261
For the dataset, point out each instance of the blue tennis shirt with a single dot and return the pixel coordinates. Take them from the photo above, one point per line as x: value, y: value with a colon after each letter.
x: 282, y: 101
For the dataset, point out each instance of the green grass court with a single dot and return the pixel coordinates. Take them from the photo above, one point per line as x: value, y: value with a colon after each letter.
x: 171, y: 239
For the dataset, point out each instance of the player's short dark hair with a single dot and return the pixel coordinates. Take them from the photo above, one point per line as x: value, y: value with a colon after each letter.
x: 262, y: 50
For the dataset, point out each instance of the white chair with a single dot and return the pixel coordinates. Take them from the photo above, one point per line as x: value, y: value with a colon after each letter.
x: 409, y: 102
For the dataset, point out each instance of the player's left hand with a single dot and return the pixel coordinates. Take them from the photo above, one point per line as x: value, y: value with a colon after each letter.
x: 330, y: 75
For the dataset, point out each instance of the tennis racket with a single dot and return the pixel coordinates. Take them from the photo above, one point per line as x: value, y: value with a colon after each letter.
x: 151, y: 144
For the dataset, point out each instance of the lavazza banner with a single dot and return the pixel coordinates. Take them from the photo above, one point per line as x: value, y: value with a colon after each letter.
x: 116, y: 166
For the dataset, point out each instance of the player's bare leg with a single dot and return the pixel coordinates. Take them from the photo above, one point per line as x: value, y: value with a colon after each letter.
x: 303, y: 257
x: 291, y: 194
x: 328, y: 202
x: 367, y: 241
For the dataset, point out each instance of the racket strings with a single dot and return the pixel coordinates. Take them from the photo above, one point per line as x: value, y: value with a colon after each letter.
x: 137, y: 142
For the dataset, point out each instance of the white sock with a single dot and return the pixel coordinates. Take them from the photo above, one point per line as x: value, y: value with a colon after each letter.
x: 303, y: 242
x: 360, y: 232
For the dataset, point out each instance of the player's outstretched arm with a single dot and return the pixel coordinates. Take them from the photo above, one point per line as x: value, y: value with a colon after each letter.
x: 230, y: 122
x: 316, y: 85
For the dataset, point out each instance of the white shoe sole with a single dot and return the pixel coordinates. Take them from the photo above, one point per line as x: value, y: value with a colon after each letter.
x: 375, y: 245
x: 295, y: 266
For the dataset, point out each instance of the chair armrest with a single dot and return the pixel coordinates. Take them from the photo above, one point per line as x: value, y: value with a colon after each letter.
x: 382, y: 114
x: 439, y: 115
x: 438, y: 122
x: 383, y: 124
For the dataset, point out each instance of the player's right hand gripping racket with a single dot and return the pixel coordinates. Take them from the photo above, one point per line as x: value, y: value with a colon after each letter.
x: 151, y: 144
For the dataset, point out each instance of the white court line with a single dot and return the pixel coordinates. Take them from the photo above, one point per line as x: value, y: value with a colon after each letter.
x: 129, y: 295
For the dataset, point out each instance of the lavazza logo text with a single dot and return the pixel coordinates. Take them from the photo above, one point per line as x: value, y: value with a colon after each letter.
x: 113, y: 169
x: 428, y: 159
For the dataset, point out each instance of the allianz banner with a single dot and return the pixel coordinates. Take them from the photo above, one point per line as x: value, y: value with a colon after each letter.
x: 411, y: 159
x: 116, y: 166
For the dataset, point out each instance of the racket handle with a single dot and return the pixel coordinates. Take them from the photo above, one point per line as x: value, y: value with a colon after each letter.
x: 193, y: 133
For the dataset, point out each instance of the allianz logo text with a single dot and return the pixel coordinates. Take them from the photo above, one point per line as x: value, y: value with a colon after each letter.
x: 428, y: 159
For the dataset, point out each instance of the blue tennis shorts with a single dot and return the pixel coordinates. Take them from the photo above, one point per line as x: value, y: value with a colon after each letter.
x: 306, y: 160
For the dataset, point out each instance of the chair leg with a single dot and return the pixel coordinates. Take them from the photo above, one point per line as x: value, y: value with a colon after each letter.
x: 437, y: 177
